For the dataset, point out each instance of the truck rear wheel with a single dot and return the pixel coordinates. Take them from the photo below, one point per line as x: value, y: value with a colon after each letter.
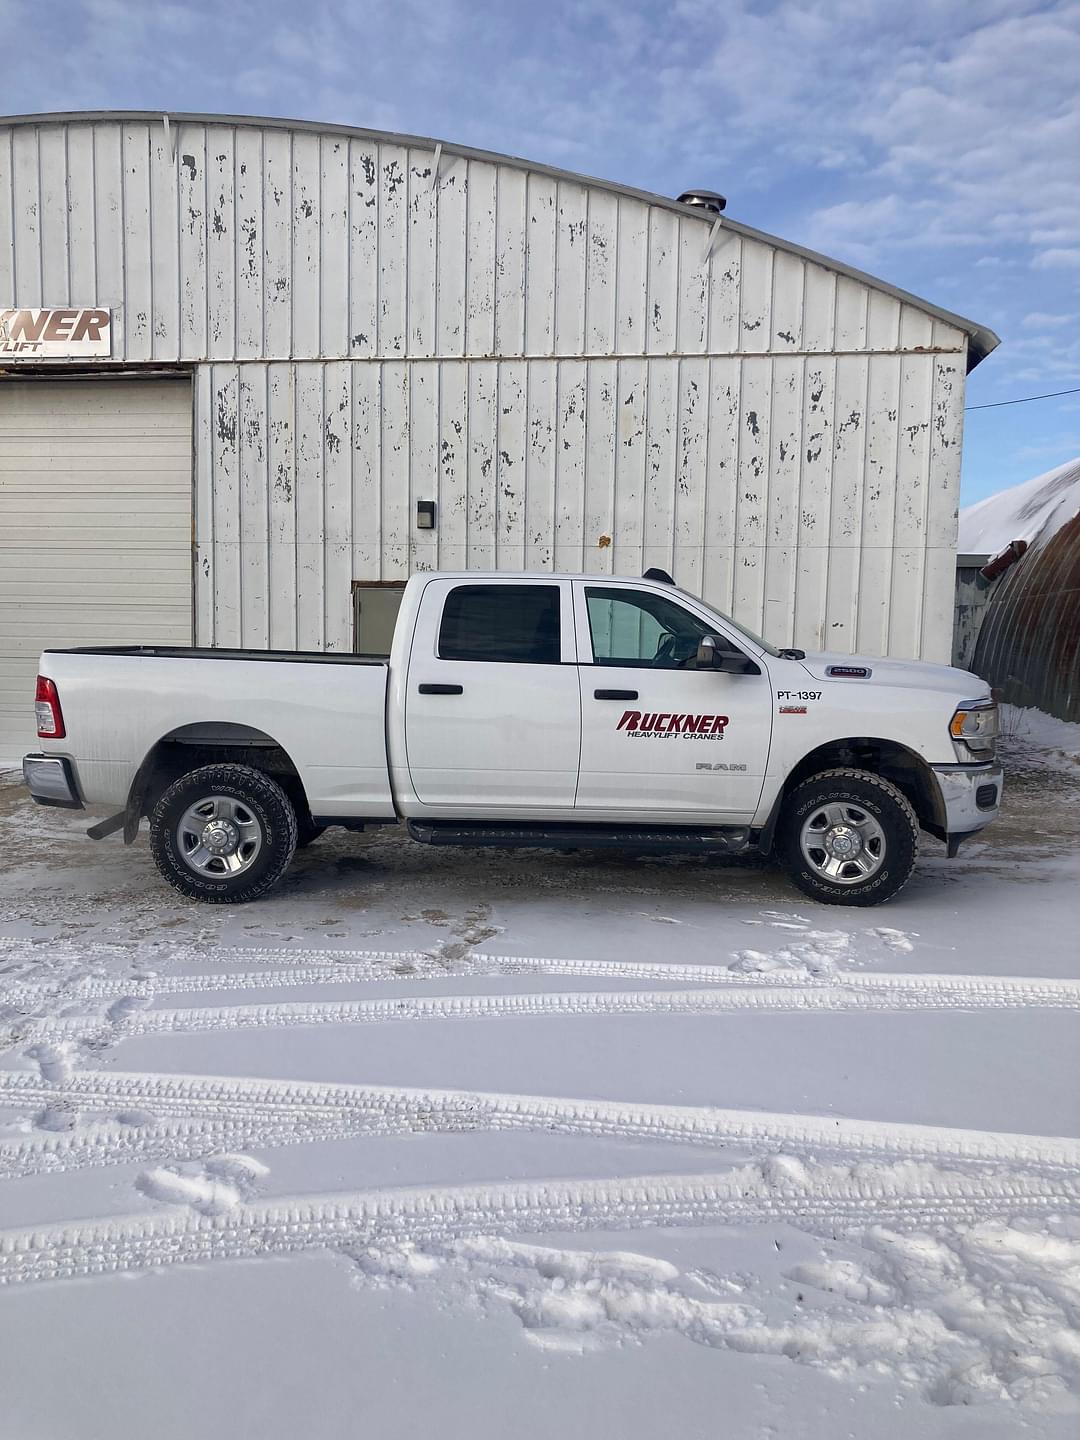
x: 223, y: 833
x: 848, y: 837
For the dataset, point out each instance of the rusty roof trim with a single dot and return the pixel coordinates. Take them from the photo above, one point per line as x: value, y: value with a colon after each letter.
x: 981, y: 339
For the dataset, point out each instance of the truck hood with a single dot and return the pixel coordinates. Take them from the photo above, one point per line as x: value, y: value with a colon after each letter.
x: 902, y: 674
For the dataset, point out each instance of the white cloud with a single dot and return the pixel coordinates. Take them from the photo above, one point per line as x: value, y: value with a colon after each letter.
x: 1056, y: 259
x: 1039, y: 320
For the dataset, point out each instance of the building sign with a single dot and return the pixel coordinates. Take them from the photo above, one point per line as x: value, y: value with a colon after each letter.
x: 54, y: 334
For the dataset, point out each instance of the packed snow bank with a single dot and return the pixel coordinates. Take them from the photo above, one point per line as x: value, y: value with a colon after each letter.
x: 1037, y: 509
x: 1031, y: 729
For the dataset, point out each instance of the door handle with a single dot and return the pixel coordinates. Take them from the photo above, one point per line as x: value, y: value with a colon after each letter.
x: 441, y: 689
x: 614, y: 694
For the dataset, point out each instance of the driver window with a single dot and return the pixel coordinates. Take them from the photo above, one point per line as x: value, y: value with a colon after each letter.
x: 636, y: 628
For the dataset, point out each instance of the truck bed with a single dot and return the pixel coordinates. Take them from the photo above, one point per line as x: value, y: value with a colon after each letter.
x: 327, y: 712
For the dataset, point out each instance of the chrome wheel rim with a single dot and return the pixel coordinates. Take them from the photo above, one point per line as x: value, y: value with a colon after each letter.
x: 219, y: 836
x: 842, y: 843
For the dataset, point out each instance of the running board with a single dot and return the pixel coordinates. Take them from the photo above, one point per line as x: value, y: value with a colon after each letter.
x: 731, y: 840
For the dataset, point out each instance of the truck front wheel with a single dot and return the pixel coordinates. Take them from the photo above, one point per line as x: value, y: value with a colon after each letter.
x: 848, y: 837
x: 223, y: 833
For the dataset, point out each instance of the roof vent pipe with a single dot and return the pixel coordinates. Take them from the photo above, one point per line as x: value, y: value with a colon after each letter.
x: 704, y: 200
x: 1004, y: 559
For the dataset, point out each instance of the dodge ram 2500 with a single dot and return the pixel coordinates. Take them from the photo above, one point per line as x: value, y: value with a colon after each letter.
x: 524, y: 710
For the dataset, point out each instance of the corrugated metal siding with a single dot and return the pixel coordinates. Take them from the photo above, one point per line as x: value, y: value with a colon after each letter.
x: 309, y: 475
x: 1029, y: 642
x: 556, y: 363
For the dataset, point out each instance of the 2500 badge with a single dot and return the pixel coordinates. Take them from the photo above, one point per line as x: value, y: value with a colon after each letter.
x: 664, y: 726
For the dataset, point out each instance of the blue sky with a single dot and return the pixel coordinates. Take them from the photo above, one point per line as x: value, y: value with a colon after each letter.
x: 935, y: 144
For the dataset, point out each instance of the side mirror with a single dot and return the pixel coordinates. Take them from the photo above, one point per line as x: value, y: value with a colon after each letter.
x: 712, y: 656
x: 737, y: 664
x: 707, y: 652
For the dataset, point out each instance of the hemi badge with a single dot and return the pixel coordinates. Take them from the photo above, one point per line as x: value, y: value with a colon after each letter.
x: 848, y: 672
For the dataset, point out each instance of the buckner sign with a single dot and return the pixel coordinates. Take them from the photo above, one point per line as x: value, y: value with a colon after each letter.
x: 54, y: 334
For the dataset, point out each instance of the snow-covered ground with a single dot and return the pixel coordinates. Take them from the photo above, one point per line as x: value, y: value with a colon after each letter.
x: 543, y: 1145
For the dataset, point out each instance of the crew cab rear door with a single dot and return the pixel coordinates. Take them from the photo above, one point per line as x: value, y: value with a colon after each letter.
x: 492, y: 705
x: 661, y: 740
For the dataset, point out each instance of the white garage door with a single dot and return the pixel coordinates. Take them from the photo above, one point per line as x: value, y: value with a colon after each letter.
x: 95, y: 526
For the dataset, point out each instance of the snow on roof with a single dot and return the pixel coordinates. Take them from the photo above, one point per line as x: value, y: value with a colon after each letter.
x: 1035, y: 510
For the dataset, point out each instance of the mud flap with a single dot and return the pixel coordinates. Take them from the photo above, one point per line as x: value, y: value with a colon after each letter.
x: 107, y: 827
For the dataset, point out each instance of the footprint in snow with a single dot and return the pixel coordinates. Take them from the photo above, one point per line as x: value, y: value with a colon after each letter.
x: 56, y: 1118
x: 893, y: 939
x: 56, y: 1063
x: 127, y: 1005
x: 212, y: 1188
x: 207, y: 1196
x: 781, y: 920
x: 566, y: 1300
x: 753, y: 962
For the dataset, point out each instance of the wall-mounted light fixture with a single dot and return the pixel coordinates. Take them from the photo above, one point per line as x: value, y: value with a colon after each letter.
x: 425, y: 514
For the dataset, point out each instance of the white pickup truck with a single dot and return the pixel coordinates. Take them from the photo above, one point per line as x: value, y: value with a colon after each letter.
x: 524, y: 710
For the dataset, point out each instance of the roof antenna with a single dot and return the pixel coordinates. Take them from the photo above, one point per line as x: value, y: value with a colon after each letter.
x: 661, y: 575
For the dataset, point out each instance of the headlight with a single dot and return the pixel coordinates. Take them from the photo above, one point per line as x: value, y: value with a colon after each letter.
x: 976, y: 725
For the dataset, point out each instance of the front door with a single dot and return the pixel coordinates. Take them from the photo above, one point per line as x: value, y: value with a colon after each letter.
x: 661, y: 739
x: 492, y: 708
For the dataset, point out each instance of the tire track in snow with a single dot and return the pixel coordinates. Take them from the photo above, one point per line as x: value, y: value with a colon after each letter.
x: 1007, y: 991
x: 897, y: 993
x: 109, y: 987
x: 419, y: 964
x: 180, y: 1117
x: 350, y: 966
x: 779, y: 1190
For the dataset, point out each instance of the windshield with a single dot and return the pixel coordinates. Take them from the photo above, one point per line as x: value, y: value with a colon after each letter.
x: 748, y: 634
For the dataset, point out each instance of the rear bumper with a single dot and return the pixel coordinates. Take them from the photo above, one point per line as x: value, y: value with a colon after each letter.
x: 51, y: 781
x: 971, y: 795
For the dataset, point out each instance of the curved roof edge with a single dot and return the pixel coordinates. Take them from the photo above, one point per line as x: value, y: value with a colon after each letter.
x: 981, y: 339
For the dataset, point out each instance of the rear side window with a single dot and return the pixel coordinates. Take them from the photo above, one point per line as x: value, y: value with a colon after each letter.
x: 514, y: 624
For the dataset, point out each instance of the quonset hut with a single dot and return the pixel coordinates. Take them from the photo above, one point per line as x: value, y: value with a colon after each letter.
x: 1023, y: 620
x: 254, y: 373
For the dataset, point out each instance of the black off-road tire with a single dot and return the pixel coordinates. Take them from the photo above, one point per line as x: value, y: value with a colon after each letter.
x: 866, y: 792
x: 260, y: 795
x: 307, y: 832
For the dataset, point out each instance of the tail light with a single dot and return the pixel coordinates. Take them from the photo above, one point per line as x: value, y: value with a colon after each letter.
x: 50, y: 718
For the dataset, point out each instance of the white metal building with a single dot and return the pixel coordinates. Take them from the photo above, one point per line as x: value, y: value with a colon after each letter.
x: 237, y: 355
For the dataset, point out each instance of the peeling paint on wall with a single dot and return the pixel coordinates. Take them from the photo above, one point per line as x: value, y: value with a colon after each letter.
x: 554, y: 363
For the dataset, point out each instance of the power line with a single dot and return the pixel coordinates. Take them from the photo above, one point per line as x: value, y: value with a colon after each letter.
x: 1026, y: 400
